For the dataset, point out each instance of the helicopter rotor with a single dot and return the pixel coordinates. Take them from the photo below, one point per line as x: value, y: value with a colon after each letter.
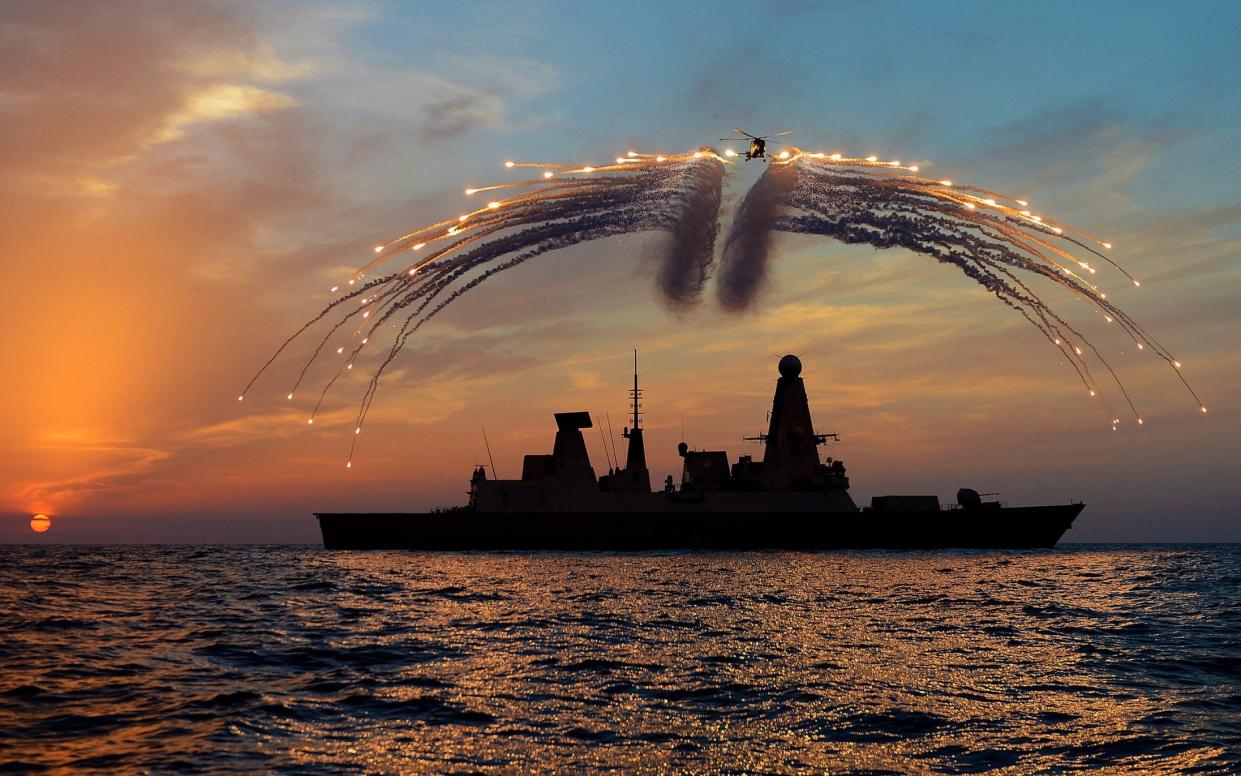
x: 748, y: 136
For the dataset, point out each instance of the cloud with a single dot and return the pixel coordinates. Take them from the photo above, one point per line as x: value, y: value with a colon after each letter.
x: 450, y: 117
x: 103, y: 463
x: 217, y: 102
x: 88, y: 85
x: 477, y: 93
x: 1089, y: 152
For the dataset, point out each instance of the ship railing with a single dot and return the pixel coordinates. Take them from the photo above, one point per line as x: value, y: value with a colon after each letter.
x: 948, y: 507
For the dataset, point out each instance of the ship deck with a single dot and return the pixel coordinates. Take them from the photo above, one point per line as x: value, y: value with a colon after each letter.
x: 464, y: 529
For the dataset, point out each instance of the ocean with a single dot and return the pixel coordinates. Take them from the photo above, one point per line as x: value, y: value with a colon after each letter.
x: 211, y: 659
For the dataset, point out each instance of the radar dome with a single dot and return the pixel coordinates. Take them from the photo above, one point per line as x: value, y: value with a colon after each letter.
x: 790, y: 366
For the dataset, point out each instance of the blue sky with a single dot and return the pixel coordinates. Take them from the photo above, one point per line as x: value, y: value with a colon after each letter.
x: 949, y: 79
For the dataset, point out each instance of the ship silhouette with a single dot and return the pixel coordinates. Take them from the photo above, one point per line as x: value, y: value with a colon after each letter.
x: 791, y: 499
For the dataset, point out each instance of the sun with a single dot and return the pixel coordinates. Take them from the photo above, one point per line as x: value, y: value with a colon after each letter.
x: 40, y: 523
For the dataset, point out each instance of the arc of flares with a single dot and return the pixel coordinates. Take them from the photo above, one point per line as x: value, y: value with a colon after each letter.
x: 566, y: 205
x: 991, y: 237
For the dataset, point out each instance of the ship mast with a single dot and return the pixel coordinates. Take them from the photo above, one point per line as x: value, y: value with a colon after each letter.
x: 635, y: 475
x: 635, y: 395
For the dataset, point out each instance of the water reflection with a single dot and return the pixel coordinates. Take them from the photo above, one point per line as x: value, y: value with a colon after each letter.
x: 262, y: 658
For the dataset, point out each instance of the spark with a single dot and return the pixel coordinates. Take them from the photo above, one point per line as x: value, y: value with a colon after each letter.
x: 846, y: 198
x: 675, y: 193
x: 853, y: 203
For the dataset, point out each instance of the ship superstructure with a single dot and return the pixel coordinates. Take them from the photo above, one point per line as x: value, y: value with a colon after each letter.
x: 791, y: 498
x: 790, y: 477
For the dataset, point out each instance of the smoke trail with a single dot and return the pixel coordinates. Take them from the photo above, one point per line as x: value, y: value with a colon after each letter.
x: 567, y: 205
x: 691, y: 250
x: 975, y: 230
x: 743, y: 269
x: 990, y: 237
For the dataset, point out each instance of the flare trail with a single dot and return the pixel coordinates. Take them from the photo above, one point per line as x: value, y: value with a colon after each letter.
x: 565, y: 205
x: 993, y: 238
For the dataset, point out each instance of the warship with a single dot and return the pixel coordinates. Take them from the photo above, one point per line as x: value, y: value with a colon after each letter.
x: 791, y: 499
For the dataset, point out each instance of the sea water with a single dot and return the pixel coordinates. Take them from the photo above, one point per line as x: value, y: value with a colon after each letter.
x: 295, y: 659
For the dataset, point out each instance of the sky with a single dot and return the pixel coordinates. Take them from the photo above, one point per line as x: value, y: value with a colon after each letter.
x: 182, y: 183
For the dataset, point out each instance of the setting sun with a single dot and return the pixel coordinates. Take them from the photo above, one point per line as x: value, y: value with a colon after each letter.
x: 40, y: 523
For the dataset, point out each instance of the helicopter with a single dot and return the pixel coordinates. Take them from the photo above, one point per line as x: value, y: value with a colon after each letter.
x: 758, y: 143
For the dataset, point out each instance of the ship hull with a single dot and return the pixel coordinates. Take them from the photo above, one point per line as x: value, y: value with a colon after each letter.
x: 999, y: 528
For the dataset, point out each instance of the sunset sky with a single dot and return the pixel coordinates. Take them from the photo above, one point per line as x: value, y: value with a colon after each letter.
x: 182, y: 183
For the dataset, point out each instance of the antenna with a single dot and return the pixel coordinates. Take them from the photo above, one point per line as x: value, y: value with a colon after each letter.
x: 636, y: 395
x: 489, y: 458
x: 604, y: 442
x: 608, y: 415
